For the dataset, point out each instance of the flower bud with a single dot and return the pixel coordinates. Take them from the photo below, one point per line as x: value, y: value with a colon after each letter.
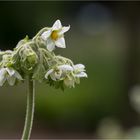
x: 22, y: 42
x: 28, y: 57
x: 6, y: 58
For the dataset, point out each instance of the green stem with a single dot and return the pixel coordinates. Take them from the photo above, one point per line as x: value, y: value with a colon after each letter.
x: 40, y: 32
x: 29, y: 110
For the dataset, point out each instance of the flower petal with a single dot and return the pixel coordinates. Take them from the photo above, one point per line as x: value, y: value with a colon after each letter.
x: 58, y: 74
x: 79, y: 66
x: 52, y: 75
x: 60, y: 42
x: 64, y: 29
x: 2, y: 80
x: 65, y: 68
x: 18, y: 76
x: 81, y: 74
x: 48, y: 73
x: 2, y: 76
x: 10, y: 71
x: 2, y: 71
x: 50, y: 45
x: 69, y: 82
x: 57, y: 25
x: 46, y: 34
x: 11, y: 80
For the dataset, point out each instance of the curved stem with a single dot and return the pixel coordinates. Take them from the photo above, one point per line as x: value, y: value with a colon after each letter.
x: 29, y: 110
x: 40, y: 32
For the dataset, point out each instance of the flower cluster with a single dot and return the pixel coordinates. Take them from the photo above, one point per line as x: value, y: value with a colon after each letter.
x: 36, y: 58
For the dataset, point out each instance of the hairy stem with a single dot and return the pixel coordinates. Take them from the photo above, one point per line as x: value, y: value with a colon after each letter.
x: 29, y: 110
x: 40, y: 32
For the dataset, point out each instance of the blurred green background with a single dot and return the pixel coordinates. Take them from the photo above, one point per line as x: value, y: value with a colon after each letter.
x: 105, y: 36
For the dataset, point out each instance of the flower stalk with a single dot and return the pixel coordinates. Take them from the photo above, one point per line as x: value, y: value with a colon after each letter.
x: 29, y: 110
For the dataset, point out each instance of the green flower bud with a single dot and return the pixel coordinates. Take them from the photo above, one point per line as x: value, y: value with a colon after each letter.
x: 22, y: 42
x: 6, y: 58
x: 28, y: 57
x: 32, y: 58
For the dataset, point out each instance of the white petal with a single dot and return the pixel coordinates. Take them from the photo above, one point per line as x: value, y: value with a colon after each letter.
x: 50, y: 45
x: 57, y: 25
x: 18, y: 76
x: 81, y: 74
x: 2, y: 71
x: 10, y: 71
x: 2, y: 76
x: 79, y: 66
x: 65, y: 68
x: 64, y: 29
x: 58, y: 74
x: 60, y: 42
x: 11, y: 80
x: 53, y: 76
x: 69, y: 82
x: 46, y: 34
x: 2, y: 80
x: 48, y: 73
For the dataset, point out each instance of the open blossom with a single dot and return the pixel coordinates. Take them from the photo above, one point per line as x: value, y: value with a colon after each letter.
x: 79, y: 71
x: 55, y: 36
x: 59, y: 73
x: 62, y: 72
x: 10, y: 75
x: 69, y: 74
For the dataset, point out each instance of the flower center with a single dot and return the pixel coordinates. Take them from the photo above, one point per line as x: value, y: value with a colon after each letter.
x: 54, y: 35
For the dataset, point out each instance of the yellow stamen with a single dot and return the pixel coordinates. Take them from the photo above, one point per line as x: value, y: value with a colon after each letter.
x: 54, y: 35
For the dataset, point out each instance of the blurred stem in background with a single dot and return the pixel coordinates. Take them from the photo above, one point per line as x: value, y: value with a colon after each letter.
x: 29, y: 110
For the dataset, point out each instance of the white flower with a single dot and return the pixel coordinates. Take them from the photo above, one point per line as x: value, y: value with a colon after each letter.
x: 59, y: 73
x: 55, y: 36
x: 10, y: 75
x: 69, y: 74
x: 79, y: 71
